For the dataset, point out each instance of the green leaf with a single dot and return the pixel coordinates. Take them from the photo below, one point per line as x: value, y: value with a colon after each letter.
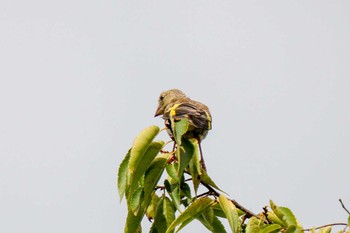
x: 133, y: 222
x: 151, y: 209
x: 153, y: 175
x: 174, y: 193
x: 218, y: 227
x: 284, y: 214
x: 270, y: 228
x: 272, y: 217
x: 325, y: 230
x: 185, y: 156
x: 231, y: 213
x: 194, y: 168
x: 168, y: 211
x: 140, y: 145
x: 211, y: 222
x: 180, y: 128
x: 144, y: 163
x: 291, y: 229
x: 135, y: 200
x: 349, y: 221
x: 171, y: 169
x: 196, y: 208
x: 254, y: 225
x: 123, y: 175
x: 218, y: 211
x: 207, y: 180
x: 159, y: 220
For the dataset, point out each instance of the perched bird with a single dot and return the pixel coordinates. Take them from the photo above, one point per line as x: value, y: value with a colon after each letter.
x: 174, y: 104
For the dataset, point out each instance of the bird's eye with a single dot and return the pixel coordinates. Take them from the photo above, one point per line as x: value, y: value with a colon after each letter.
x: 161, y: 98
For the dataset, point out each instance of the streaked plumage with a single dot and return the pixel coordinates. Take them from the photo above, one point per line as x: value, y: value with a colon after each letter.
x: 174, y: 103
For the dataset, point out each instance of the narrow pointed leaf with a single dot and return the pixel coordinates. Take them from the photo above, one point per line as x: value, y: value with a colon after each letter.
x: 153, y: 174
x: 151, y: 209
x: 211, y: 222
x: 196, y: 208
x: 133, y: 222
x: 159, y: 220
x: 272, y: 217
x: 207, y: 180
x: 185, y: 156
x: 174, y: 193
x: 180, y: 129
x: 231, y: 213
x: 140, y: 145
x: 123, y: 175
x: 171, y: 169
x: 168, y: 211
x: 218, y: 211
x: 284, y: 214
x: 194, y: 168
x: 135, y: 200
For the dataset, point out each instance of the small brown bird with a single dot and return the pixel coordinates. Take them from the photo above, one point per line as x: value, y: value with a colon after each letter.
x: 176, y: 105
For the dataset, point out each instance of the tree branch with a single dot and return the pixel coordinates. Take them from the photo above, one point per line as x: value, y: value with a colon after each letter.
x: 327, y: 225
x: 247, y: 212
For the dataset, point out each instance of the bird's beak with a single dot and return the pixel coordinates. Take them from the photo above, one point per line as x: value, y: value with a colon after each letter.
x: 158, y: 112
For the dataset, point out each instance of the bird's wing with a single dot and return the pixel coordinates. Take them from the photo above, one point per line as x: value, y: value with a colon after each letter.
x: 196, y: 113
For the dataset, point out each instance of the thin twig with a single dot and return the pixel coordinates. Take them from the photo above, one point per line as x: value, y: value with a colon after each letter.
x: 327, y: 225
x: 247, y: 212
x: 203, y: 194
x: 342, y: 204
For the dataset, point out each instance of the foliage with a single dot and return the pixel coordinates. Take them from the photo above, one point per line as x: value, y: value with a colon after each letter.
x: 172, y: 204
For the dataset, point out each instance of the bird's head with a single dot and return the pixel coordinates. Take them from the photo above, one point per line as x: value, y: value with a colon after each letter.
x: 168, y: 99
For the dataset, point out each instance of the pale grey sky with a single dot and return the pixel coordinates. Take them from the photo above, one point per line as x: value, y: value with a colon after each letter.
x: 80, y: 79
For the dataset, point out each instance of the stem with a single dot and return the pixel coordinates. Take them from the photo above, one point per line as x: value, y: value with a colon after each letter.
x: 327, y: 225
x: 247, y: 212
x: 342, y: 204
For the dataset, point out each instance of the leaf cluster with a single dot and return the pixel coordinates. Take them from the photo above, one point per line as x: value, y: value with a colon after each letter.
x: 174, y: 202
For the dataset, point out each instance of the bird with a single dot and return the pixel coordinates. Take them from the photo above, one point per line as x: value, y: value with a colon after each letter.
x: 175, y: 104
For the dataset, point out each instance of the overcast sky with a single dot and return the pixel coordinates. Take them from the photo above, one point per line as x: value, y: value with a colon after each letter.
x: 80, y: 79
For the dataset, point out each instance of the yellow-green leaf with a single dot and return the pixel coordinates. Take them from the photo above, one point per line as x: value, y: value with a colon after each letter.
x: 211, y: 222
x: 270, y: 228
x: 133, y: 222
x: 151, y: 209
x: 171, y: 169
x: 272, y: 217
x: 218, y: 211
x: 140, y: 145
x: 325, y: 230
x: 123, y: 175
x: 207, y: 180
x: 196, y: 208
x: 195, y: 169
x: 145, y: 162
x: 159, y: 220
x: 285, y: 215
x: 174, y: 193
x: 254, y: 225
x: 153, y: 174
x: 168, y: 211
x: 180, y: 128
x: 185, y: 155
x: 231, y: 212
x: 135, y: 200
